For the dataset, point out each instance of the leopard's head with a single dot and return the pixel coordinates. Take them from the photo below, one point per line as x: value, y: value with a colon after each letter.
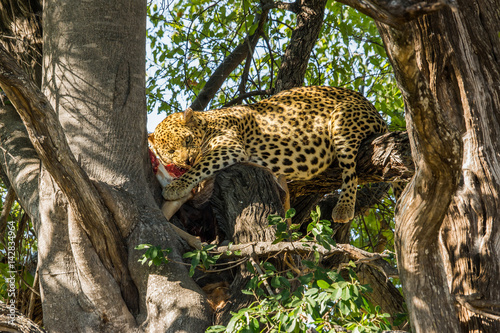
x: 177, y: 139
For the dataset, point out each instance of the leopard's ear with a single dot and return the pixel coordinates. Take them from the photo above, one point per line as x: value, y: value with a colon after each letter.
x: 188, y: 116
x: 151, y: 139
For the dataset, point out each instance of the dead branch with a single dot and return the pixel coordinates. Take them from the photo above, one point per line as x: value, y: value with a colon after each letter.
x: 12, y: 320
x: 474, y: 304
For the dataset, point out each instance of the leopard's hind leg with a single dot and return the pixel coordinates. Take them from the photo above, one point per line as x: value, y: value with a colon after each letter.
x: 347, y: 135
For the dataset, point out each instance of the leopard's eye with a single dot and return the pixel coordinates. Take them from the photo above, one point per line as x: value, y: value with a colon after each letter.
x: 171, y: 151
x: 189, y: 140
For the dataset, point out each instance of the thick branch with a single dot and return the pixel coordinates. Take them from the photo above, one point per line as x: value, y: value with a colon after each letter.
x: 381, y: 158
x: 12, y: 320
x: 240, y: 98
x: 19, y: 161
x: 395, y: 13
x: 49, y: 141
x: 294, y: 62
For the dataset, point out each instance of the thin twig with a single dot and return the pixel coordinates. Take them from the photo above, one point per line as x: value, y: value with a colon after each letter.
x: 254, y: 261
x: 240, y: 98
x: 31, y: 306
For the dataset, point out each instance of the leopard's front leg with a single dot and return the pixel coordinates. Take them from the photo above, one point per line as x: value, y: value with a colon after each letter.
x: 216, y: 159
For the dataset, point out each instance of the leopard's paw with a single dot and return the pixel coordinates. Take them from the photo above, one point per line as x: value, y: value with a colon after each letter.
x: 343, y: 213
x: 175, y: 191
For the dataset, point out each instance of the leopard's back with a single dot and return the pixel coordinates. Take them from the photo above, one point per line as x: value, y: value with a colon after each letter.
x: 293, y: 132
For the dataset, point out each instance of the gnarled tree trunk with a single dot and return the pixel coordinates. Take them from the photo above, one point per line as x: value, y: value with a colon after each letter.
x: 448, y: 67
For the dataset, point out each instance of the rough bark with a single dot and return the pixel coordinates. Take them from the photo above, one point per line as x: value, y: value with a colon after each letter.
x: 14, y: 321
x: 448, y: 68
x: 242, y: 215
x: 296, y: 58
x: 21, y: 34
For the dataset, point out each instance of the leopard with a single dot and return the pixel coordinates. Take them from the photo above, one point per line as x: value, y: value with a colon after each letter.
x: 296, y: 133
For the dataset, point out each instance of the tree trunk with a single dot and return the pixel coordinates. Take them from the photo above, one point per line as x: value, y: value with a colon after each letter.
x: 448, y: 67
x: 244, y: 196
x: 94, y: 77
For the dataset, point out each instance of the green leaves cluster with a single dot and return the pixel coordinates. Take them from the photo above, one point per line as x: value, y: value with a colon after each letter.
x: 153, y: 255
x: 188, y: 40
x: 318, y: 230
x: 317, y: 297
x: 201, y: 258
x: 351, y: 54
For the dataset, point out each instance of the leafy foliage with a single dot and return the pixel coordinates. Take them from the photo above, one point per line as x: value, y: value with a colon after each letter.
x: 18, y: 246
x: 309, y: 295
x: 201, y: 258
x: 315, y: 297
x: 153, y: 255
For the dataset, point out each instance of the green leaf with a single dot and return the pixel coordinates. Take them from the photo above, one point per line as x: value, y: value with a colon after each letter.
x: 305, y: 279
x: 323, y: 284
x: 290, y: 213
x: 274, y: 219
x: 216, y: 329
x: 346, y: 294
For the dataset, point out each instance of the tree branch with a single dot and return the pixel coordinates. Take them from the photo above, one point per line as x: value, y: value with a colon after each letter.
x: 16, y: 322
x: 474, y: 304
x: 396, y: 13
x: 381, y: 158
x: 229, y: 64
x: 294, y: 62
x: 240, y: 98
x: 19, y: 161
x: 290, y: 6
x: 303, y: 248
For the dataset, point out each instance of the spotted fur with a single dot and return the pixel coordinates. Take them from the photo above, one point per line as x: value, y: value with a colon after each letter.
x: 296, y: 133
